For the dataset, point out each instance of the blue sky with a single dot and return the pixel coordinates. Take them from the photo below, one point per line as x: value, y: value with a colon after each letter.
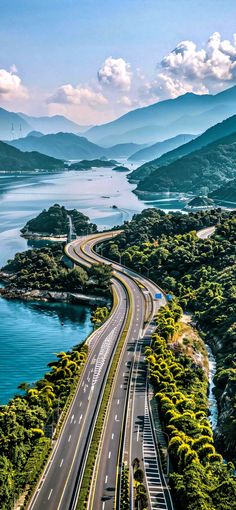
x: 93, y: 60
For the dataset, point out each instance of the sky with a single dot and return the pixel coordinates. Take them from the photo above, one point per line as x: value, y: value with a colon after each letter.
x: 94, y: 60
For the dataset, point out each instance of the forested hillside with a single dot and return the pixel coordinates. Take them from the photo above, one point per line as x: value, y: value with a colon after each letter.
x: 55, y: 221
x: 201, y: 273
x: 211, y: 135
x: 209, y: 168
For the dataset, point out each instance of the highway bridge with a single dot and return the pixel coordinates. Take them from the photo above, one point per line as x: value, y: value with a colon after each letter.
x: 128, y: 429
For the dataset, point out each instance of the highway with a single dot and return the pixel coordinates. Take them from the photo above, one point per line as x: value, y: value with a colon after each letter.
x: 56, y: 487
x: 59, y: 485
x: 133, y: 421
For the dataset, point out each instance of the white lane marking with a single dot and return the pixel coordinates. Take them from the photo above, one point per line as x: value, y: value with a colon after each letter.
x: 121, y: 386
x: 112, y: 436
x: 109, y: 455
x: 103, y: 505
x: 82, y: 383
x: 69, y: 438
x: 123, y: 374
x: 138, y: 434
x: 80, y: 404
x: 106, y: 479
x: 50, y: 493
x: 115, y: 417
x: 81, y: 416
x: 62, y: 460
x: 118, y: 402
x: 72, y: 417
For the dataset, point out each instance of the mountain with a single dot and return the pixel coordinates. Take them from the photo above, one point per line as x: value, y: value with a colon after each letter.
x: 53, y: 124
x: 123, y: 150
x: 226, y: 193
x: 200, y: 172
x: 11, y: 124
x: 157, y: 149
x: 60, y: 145
x: 13, y: 159
x: 69, y: 146
x: 202, y: 111
x: 212, y: 134
x: 35, y: 133
x: 15, y: 125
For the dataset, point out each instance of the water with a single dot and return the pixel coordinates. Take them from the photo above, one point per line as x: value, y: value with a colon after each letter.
x: 211, y: 397
x: 31, y: 332
x: 24, y: 196
x: 30, y: 335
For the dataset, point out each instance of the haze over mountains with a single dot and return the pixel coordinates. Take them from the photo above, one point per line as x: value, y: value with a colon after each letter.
x: 156, y: 150
x: 180, y: 163
x: 188, y: 113
x: 70, y: 146
x: 212, y: 134
x: 19, y: 124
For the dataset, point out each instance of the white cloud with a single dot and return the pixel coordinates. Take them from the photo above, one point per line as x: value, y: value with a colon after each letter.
x: 115, y: 72
x: 189, y: 69
x: 11, y: 86
x: 67, y: 94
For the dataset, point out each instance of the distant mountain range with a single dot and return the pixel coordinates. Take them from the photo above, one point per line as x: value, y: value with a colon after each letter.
x: 200, y: 172
x: 17, y: 125
x: 15, y: 160
x: 212, y: 134
x: 157, y: 149
x: 69, y: 146
x: 191, y: 112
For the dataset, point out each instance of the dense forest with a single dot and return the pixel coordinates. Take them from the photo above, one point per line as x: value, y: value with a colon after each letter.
x: 209, y: 167
x: 26, y: 424
x: 201, y: 273
x: 45, y: 269
x: 55, y: 221
x: 201, y: 480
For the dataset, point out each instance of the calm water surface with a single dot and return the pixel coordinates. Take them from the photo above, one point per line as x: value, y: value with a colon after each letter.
x: 31, y: 332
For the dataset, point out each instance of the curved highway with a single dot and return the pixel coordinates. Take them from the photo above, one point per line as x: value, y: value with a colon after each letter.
x: 59, y: 485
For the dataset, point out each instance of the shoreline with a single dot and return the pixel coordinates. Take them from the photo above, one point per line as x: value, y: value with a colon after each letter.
x: 44, y: 237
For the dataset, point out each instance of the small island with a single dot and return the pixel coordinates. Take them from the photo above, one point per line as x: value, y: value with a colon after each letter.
x: 93, y: 163
x: 201, y: 202
x: 55, y: 223
x: 121, y: 168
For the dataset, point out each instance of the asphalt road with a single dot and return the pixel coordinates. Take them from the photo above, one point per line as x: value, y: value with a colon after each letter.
x: 139, y: 441
x: 57, y: 485
x: 206, y: 232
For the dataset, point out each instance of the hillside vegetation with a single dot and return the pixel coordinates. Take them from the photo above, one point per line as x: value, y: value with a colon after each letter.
x: 201, y: 273
x: 223, y: 129
x: 15, y: 160
x: 207, y: 168
x: 200, y: 480
x: 55, y: 221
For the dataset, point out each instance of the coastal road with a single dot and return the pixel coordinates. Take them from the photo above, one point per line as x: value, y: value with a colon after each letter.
x: 63, y: 473
x: 129, y: 416
x: 57, y: 484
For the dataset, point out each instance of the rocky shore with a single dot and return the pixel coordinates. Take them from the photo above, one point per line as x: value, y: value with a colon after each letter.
x: 11, y: 292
